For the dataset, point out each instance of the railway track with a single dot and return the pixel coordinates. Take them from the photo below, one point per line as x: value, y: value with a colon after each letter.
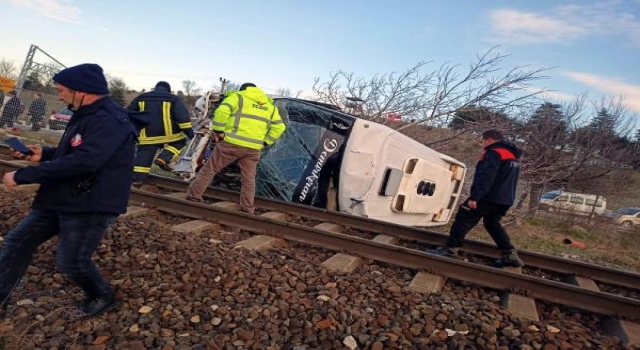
x: 553, y: 291
x: 570, y: 268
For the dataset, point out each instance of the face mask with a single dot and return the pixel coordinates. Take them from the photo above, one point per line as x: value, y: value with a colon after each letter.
x: 71, y: 107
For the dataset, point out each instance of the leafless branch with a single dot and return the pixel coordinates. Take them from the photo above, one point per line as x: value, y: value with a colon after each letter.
x: 429, y: 96
x: 8, y: 69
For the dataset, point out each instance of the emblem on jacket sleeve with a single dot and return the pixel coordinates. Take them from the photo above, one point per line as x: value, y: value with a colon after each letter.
x: 76, y: 140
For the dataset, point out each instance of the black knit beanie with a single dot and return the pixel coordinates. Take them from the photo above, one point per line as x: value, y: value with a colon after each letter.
x: 86, y: 77
x: 164, y: 84
x: 246, y: 85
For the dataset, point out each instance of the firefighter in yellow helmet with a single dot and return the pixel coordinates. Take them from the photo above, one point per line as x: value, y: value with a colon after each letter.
x: 245, y: 122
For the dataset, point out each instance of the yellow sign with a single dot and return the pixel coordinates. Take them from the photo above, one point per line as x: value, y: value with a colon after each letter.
x: 7, y: 84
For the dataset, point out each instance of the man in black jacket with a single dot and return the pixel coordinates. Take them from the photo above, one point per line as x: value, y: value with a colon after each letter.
x: 12, y: 109
x: 170, y: 126
x: 492, y: 194
x: 37, y: 109
x: 84, y: 185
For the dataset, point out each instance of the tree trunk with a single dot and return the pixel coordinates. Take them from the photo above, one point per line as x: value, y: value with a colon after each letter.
x: 535, y: 191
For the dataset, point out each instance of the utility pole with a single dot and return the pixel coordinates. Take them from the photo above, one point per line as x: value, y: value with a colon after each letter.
x: 223, y: 84
x: 30, y: 66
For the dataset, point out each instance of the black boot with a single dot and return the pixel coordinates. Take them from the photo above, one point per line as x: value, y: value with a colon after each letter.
x: 97, y: 301
x: 509, y: 258
x: 444, y: 251
x: 91, y: 307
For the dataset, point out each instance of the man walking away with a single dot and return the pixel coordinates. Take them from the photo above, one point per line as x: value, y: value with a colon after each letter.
x: 11, y: 110
x: 36, y: 111
x: 84, y: 184
x: 245, y: 122
x: 492, y: 194
x: 170, y: 126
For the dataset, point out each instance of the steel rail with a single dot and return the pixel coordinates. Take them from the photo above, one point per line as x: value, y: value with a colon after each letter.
x: 569, y: 267
x: 556, y: 292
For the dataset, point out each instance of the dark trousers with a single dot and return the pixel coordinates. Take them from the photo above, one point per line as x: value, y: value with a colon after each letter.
x: 79, y: 236
x: 6, y: 119
x: 468, y: 218
x: 36, y: 123
x: 145, y: 154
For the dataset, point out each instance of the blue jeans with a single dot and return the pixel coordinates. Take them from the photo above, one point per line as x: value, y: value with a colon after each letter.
x: 79, y: 234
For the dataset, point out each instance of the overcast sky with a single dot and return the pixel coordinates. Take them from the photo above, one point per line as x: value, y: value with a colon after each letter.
x: 593, y: 45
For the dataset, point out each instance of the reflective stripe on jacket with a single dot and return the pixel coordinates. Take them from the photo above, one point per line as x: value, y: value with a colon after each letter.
x: 169, y: 116
x: 249, y: 119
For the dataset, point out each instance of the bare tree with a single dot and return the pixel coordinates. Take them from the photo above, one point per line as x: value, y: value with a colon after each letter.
x: 604, y: 144
x: 286, y: 92
x: 565, y: 146
x: 428, y: 96
x: 8, y: 69
x: 227, y: 86
x: 118, y: 89
x: 191, y: 92
x: 51, y: 69
x: 190, y: 88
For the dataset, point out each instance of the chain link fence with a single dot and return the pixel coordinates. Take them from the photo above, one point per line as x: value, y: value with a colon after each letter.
x: 32, y: 110
x: 29, y: 99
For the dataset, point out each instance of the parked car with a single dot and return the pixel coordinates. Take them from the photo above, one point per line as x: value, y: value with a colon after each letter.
x: 59, y: 121
x: 574, y: 203
x: 625, y: 217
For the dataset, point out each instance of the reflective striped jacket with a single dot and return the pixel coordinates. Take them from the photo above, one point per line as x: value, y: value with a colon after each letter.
x: 169, y: 116
x: 249, y: 119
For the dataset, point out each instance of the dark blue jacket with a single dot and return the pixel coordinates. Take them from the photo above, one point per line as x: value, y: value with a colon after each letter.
x: 169, y: 118
x: 496, y: 174
x: 38, y: 108
x: 12, y: 109
x: 91, y: 169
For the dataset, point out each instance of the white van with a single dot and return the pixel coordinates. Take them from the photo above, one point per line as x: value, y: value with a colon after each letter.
x: 575, y: 203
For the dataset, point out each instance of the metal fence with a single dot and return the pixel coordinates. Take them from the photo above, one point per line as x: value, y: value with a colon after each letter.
x: 29, y: 109
x: 29, y: 97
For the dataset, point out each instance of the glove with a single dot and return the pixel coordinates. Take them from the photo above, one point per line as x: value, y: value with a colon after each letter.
x: 189, y: 133
x: 218, y: 136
